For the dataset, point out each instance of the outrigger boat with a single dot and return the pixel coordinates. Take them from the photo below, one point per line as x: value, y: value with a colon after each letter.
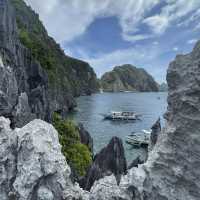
x: 139, y: 139
x: 121, y: 116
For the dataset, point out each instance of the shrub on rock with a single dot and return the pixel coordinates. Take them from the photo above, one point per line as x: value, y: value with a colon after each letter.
x: 76, y: 154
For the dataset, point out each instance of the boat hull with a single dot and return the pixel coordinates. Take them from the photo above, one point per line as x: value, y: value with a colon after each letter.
x: 120, y: 118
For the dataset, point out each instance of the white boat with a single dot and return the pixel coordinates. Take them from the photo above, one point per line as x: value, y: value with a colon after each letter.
x: 101, y: 90
x: 127, y: 91
x: 121, y: 116
x: 139, y: 139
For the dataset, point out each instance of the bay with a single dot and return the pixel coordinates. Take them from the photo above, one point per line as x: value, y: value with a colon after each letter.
x: 151, y: 106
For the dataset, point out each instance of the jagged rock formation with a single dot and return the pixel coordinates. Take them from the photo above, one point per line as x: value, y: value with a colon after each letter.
x: 23, y: 83
x: 169, y: 172
x: 110, y: 160
x: 36, y: 78
x: 128, y: 78
x: 136, y: 162
x: 32, y: 165
x: 155, y: 132
x: 85, y: 137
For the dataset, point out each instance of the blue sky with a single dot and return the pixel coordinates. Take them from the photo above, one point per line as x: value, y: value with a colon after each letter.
x: 145, y: 33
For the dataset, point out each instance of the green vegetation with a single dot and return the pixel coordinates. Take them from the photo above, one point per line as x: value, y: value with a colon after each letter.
x: 65, y: 74
x: 77, y: 154
x: 38, y: 49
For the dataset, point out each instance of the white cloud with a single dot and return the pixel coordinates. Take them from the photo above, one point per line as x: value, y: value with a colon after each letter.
x: 68, y: 19
x: 157, y: 23
x: 138, y: 56
x: 133, y: 38
x: 65, y: 20
x: 173, y: 12
x: 175, y: 48
x: 192, y: 41
x: 194, y: 18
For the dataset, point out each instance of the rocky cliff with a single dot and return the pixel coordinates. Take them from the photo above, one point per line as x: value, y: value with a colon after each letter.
x: 32, y: 165
x: 36, y: 77
x: 128, y: 78
x: 23, y: 83
x: 110, y: 160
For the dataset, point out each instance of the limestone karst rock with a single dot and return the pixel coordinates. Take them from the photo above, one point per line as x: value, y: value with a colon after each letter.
x: 27, y: 89
x: 85, y: 137
x: 155, y: 132
x: 23, y: 83
x: 128, y: 78
x: 110, y: 160
x: 32, y: 165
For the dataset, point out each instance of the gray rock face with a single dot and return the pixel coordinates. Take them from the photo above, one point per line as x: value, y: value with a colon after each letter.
x: 25, y: 80
x: 155, y: 132
x: 23, y: 83
x: 171, y: 171
x: 110, y: 160
x: 85, y: 137
x: 128, y: 78
x: 136, y: 162
x: 32, y: 165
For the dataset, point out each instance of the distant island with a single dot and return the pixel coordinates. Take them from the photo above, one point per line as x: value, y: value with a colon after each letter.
x: 163, y: 87
x: 128, y: 78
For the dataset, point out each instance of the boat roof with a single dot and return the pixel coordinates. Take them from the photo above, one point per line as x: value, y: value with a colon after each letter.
x: 119, y: 112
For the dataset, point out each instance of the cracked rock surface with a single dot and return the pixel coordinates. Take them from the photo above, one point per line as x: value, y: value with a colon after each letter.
x: 32, y: 165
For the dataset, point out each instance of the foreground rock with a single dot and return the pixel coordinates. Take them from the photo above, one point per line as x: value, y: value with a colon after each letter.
x: 110, y: 160
x: 155, y: 132
x: 128, y: 78
x: 85, y: 137
x: 136, y: 162
x: 171, y: 171
x: 32, y: 165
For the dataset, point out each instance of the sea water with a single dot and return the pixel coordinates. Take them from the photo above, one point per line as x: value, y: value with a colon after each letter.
x: 90, y: 110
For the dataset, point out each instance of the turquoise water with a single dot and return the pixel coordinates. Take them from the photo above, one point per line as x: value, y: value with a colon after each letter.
x: 149, y: 105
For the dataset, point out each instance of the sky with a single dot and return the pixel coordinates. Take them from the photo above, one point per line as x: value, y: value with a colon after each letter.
x: 108, y: 33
